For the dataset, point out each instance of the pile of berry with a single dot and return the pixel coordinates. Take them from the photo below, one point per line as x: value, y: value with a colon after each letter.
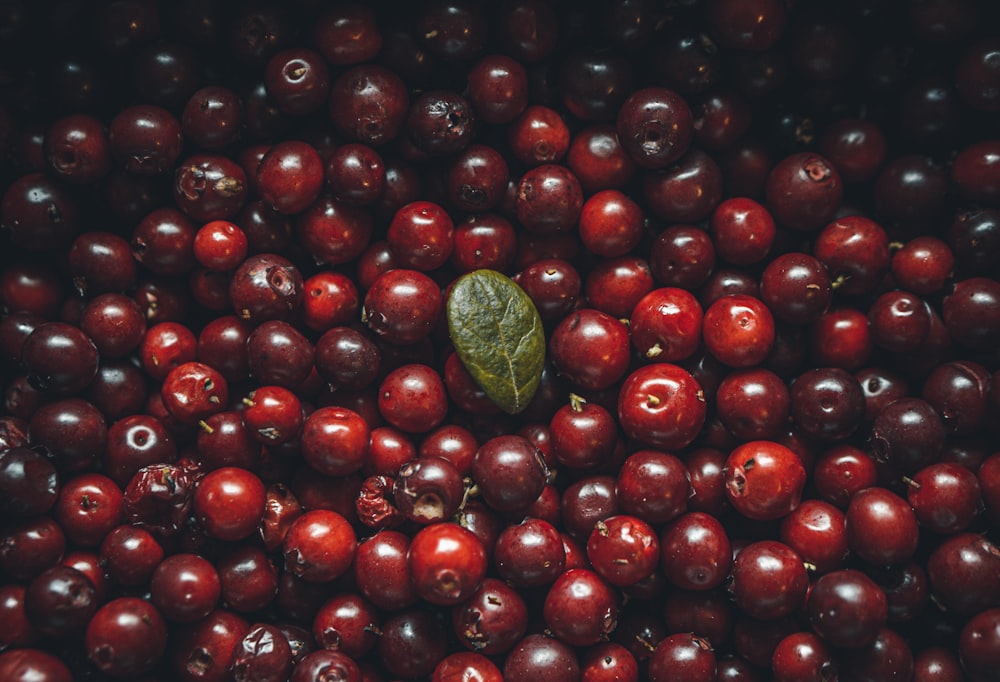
x: 241, y: 440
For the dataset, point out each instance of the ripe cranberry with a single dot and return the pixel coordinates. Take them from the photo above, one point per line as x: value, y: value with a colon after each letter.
x: 666, y: 324
x: 580, y: 608
x: 413, y: 398
x: 248, y: 578
x: 970, y: 560
x: 623, y: 550
x: 796, y: 288
x: 530, y: 554
x: 945, y: 497
x: 440, y: 123
x: 769, y: 580
x: 185, y: 587
x: 803, y: 655
x: 60, y: 358
x: 266, y: 287
x: 846, y: 608
x: 584, y: 503
x: 817, y: 531
x: 687, y: 191
x: 510, y: 472
x: 492, y: 620
x: 696, y: 552
x: 335, y: 441
x: 193, y: 391
x: 206, y: 650
x: 907, y: 434
x: 655, y: 127
x: 229, y: 503
x: 402, y: 306
x: 827, y: 403
x: 129, y: 555
x: 146, y: 138
x: 413, y: 641
x: 554, y: 286
x: 682, y: 654
x: 381, y: 572
x: 855, y: 250
x: 537, y: 656
x: 368, y: 104
x: 278, y: 353
x: 319, y: 546
x: 549, y: 199
x: 596, y: 157
x: 466, y: 664
x: 738, y: 330
x: 263, y: 655
x: 498, y: 88
x: 969, y: 315
x: 355, y: 174
x: 29, y: 484
x: 978, y: 644
x: 764, y: 480
x: 126, y: 637
x: 653, y: 486
x: 656, y: 390
x: 753, y: 404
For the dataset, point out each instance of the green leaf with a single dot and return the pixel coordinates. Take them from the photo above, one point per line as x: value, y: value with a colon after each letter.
x: 498, y: 336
